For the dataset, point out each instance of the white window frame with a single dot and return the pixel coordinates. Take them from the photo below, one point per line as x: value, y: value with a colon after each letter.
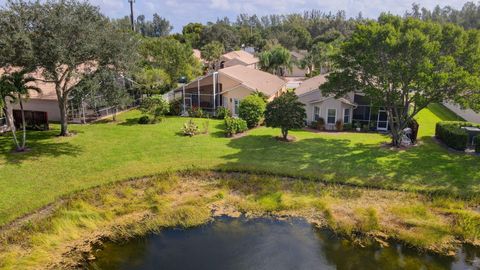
x: 329, y: 116
x: 349, y: 115
x: 235, y: 111
x: 319, y: 110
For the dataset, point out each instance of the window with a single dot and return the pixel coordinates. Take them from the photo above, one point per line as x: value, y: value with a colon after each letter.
x: 346, y: 116
x: 331, y: 116
x: 236, y: 104
x: 316, y: 113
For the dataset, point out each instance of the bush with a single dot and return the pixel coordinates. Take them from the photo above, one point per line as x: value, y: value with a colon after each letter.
x: 251, y: 109
x: 451, y: 133
x: 339, y: 125
x: 348, y: 127
x: 190, y: 128
x: 320, y: 124
x: 195, y: 112
x: 476, y: 141
x: 223, y: 113
x: 175, y: 107
x: 156, y: 106
x: 234, y: 126
x: 144, y: 120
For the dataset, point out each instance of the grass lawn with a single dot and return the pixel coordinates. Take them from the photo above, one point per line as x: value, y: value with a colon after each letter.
x: 107, y: 152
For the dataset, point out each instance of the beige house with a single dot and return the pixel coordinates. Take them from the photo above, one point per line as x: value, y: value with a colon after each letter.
x: 43, y: 104
x: 329, y: 108
x: 226, y: 88
x: 296, y: 57
x: 241, y: 57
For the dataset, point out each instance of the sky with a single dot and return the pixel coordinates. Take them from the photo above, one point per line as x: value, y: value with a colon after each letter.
x: 181, y: 12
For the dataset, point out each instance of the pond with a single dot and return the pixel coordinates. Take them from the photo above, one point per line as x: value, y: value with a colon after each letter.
x: 269, y: 244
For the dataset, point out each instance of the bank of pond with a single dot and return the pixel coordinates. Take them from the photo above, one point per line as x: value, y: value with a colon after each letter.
x: 213, y: 220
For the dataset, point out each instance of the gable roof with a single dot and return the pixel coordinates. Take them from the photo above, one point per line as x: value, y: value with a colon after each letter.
x: 311, y: 84
x: 47, y: 89
x: 242, y: 56
x: 254, y: 79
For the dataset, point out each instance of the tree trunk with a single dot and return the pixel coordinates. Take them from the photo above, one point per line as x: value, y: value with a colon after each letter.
x: 285, y: 134
x: 62, y: 104
x: 11, y: 124
x: 24, y: 126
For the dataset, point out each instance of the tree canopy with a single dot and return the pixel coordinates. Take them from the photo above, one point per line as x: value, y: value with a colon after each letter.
x: 403, y: 65
x: 285, y: 112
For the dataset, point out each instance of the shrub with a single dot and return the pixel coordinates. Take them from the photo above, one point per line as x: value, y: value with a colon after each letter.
x: 320, y: 124
x: 144, y: 120
x: 348, y: 127
x: 195, y: 112
x: 476, y: 141
x: 339, y: 125
x: 251, y: 110
x: 285, y: 112
x: 156, y: 106
x: 234, y: 126
x: 190, y: 128
x: 451, y: 133
x: 223, y: 113
x: 175, y: 107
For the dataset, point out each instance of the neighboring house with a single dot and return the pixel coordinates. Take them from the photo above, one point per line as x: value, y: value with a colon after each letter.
x: 41, y: 106
x: 329, y: 108
x: 467, y: 114
x: 296, y: 57
x: 242, y: 58
x: 226, y: 88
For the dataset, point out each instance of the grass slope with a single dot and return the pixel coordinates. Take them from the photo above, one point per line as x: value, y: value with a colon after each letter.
x: 107, y: 152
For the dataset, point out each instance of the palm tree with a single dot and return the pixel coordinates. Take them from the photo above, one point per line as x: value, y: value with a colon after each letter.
x: 277, y: 60
x: 6, y: 92
x: 22, y: 85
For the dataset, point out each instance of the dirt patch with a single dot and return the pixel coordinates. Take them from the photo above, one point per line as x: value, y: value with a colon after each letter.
x: 289, y: 139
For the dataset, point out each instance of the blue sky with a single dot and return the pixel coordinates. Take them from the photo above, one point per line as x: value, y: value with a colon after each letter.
x: 181, y: 12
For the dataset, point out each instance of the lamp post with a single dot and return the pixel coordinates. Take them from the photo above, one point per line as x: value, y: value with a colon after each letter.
x: 131, y: 14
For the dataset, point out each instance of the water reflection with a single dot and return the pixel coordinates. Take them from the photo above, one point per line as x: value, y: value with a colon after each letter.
x: 266, y: 244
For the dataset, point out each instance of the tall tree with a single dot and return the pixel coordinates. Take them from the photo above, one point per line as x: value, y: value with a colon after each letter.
x: 69, y: 39
x: 22, y: 85
x: 212, y: 53
x: 276, y: 60
x: 192, y: 33
x: 175, y: 58
x: 404, y: 65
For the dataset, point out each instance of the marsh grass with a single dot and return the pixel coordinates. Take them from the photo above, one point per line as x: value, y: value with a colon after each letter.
x: 118, y: 212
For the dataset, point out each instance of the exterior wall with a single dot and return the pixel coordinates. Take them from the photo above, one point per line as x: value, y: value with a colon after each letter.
x: 48, y: 106
x: 237, y: 94
x: 324, y: 106
x: 296, y: 72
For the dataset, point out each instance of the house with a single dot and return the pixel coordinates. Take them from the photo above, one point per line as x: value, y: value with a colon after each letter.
x: 40, y: 108
x: 239, y: 58
x: 329, y: 108
x: 227, y: 88
x: 354, y: 108
x: 296, y: 58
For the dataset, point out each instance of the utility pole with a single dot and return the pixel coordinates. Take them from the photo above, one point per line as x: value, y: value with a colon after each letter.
x: 131, y: 14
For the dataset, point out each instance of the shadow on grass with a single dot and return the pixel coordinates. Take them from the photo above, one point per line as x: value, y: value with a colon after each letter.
x: 130, y: 122
x: 423, y: 168
x: 39, y: 143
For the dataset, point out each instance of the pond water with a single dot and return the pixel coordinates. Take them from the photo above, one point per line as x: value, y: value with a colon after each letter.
x: 267, y: 244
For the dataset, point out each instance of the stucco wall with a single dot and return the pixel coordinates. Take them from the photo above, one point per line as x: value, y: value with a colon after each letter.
x: 238, y: 93
x: 48, y: 106
x: 324, y: 106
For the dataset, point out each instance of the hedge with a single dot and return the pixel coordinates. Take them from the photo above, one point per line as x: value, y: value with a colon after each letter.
x: 476, y: 141
x: 452, y: 134
x: 234, y: 126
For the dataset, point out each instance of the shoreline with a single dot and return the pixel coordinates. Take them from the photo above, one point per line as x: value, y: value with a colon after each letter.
x: 133, y: 208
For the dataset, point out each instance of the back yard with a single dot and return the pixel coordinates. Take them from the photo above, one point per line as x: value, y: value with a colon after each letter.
x: 107, y: 152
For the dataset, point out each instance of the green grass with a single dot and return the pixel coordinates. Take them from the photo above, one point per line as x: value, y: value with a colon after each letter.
x: 107, y: 152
